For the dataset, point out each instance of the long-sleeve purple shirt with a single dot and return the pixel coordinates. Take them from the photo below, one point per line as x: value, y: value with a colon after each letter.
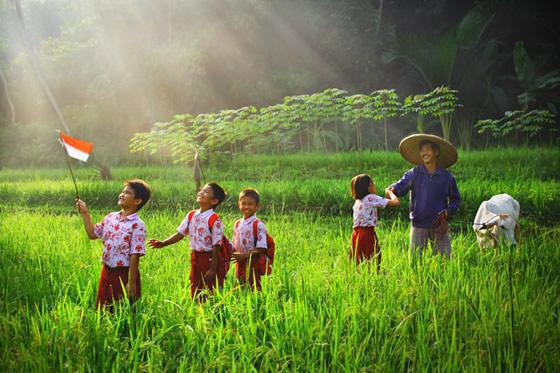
x: 429, y: 194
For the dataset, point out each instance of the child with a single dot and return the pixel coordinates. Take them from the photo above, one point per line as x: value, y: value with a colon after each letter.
x: 249, y: 251
x: 123, y: 235
x: 364, y: 238
x: 205, y: 230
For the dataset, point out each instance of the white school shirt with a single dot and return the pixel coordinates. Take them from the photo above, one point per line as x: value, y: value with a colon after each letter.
x: 121, y: 238
x: 365, y: 210
x: 198, y: 229
x: 244, y: 237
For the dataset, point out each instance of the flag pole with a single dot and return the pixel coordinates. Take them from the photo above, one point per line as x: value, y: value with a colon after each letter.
x: 70, y: 168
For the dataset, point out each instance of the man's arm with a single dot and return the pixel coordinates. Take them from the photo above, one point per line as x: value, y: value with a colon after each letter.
x: 401, y: 187
x: 454, y: 197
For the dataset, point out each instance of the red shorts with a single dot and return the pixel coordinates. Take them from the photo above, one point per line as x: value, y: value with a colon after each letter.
x: 200, y: 264
x: 365, y: 245
x: 254, y: 278
x: 112, y: 281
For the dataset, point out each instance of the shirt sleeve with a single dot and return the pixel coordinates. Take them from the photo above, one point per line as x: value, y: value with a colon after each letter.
x: 454, y: 197
x: 261, y: 236
x: 217, y: 232
x: 402, y: 186
x: 98, y: 228
x: 138, y: 240
x: 183, y: 228
x: 379, y: 201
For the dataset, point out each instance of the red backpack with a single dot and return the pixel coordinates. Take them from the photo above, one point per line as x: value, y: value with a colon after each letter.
x: 269, y: 256
x: 226, y: 251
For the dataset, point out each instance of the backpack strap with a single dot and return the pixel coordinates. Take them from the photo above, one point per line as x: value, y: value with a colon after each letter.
x: 190, y: 215
x: 212, y: 220
x: 256, y: 230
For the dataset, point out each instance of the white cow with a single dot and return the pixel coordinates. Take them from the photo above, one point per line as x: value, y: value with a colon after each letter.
x: 495, y: 219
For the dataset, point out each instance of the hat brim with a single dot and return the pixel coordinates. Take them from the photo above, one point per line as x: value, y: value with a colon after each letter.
x: 410, y: 149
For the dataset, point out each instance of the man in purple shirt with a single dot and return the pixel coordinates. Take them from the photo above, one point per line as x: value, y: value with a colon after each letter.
x: 434, y: 196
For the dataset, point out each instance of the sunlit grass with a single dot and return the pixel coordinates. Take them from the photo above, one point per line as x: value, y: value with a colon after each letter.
x: 316, y: 312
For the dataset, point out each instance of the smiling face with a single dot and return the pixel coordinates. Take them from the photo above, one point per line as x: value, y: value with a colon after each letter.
x: 248, y: 206
x: 205, y: 198
x: 127, y: 199
x: 428, y: 154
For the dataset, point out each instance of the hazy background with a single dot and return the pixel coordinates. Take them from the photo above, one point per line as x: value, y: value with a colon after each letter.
x: 116, y: 67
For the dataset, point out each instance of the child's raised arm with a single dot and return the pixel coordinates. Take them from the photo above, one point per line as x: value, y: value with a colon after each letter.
x: 393, y: 199
x: 88, y: 225
x: 157, y: 244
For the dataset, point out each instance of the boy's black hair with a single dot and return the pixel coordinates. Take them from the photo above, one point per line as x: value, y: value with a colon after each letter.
x: 218, y: 192
x: 435, y: 147
x: 359, y: 186
x: 251, y: 193
x: 141, y: 190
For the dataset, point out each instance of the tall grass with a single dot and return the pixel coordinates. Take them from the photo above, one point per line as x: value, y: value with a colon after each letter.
x: 315, y: 312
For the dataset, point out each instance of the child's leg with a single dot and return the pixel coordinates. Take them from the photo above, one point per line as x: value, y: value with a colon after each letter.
x: 241, y: 271
x: 112, y: 284
x: 376, y: 250
x: 256, y: 273
x: 196, y: 274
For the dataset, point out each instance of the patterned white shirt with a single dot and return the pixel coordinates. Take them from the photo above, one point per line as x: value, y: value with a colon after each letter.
x: 244, y: 236
x: 121, y: 238
x: 198, y: 229
x: 365, y: 210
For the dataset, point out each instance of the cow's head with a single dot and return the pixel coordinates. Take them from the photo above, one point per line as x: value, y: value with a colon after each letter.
x: 501, y: 228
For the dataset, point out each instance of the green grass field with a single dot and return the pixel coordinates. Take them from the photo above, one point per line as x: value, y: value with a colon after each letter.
x: 316, y: 312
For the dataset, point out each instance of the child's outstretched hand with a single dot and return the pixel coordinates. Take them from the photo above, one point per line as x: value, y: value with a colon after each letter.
x: 155, y: 244
x: 81, y: 206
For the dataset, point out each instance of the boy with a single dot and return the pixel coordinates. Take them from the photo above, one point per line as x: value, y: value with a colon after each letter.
x: 248, y: 250
x: 205, y: 230
x: 123, y: 235
x: 434, y: 194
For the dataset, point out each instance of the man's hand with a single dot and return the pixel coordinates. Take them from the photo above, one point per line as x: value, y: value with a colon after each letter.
x: 388, y: 191
x: 444, y: 213
x: 156, y: 244
x: 81, y: 206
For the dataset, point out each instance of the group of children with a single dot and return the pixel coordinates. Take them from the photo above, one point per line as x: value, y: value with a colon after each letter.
x: 434, y: 197
x: 124, y: 241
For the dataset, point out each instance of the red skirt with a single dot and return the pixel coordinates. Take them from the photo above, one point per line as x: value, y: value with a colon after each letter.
x: 200, y: 264
x: 365, y: 245
x: 256, y: 271
x: 112, y: 283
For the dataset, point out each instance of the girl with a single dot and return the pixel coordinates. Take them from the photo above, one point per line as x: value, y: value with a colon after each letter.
x: 364, y: 239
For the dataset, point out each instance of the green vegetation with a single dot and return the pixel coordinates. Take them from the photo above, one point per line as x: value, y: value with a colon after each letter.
x: 315, y: 312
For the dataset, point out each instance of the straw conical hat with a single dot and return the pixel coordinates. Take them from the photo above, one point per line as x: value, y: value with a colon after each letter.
x: 409, y: 148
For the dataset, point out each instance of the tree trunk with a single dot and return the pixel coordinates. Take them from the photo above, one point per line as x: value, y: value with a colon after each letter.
x: 386, y: 142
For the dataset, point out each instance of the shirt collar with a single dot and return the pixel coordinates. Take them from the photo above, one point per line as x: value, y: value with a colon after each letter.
x: 128, y: 217
x: 437, y: 171
x: 206, y: 213
x: 250, y: 219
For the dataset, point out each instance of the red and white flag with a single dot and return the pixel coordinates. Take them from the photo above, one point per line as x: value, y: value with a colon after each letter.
x: 76, y: 148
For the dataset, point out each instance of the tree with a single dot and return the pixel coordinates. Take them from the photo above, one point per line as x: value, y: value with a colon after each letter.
x: 440, y: 103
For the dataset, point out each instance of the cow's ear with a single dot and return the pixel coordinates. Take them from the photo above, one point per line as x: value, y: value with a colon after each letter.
x: 504, y: 216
